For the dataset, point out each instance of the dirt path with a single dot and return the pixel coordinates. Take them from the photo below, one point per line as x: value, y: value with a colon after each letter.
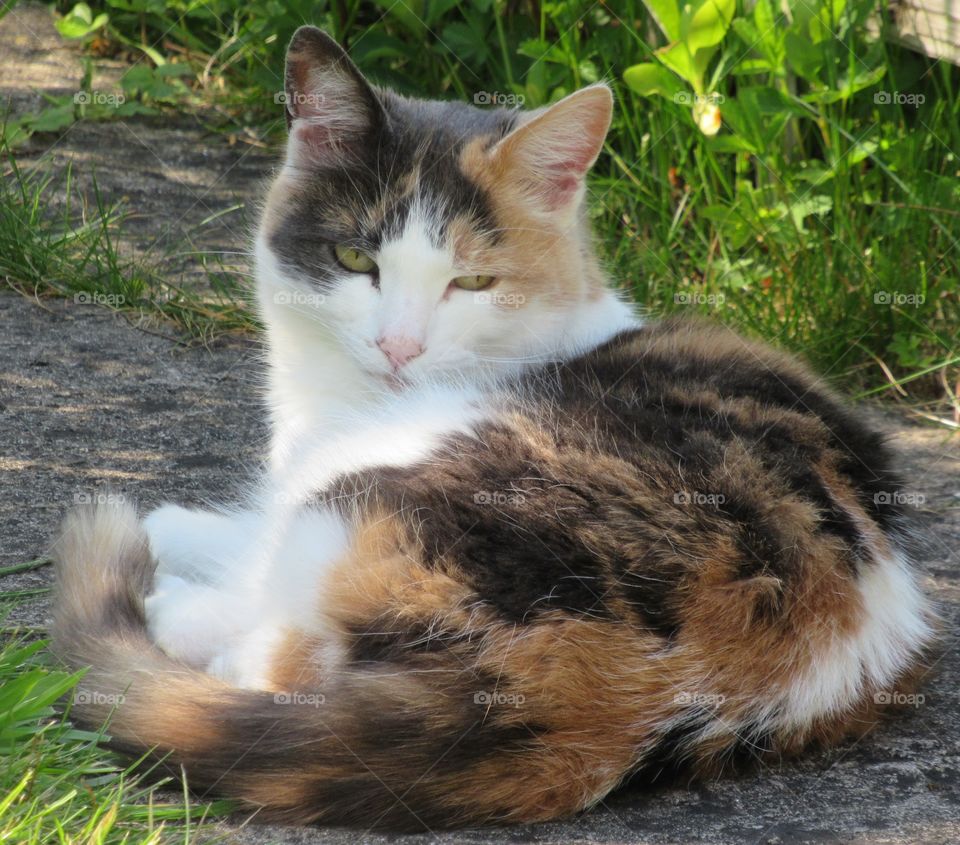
x: 88, y: 398
x: 170, y: 174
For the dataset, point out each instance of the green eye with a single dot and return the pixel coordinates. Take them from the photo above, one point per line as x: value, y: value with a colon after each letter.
x: 473, y: 282
x: 354, y: 260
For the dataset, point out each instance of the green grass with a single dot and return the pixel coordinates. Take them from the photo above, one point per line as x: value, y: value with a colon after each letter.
x: 57, y: 240
x: 57, y: 784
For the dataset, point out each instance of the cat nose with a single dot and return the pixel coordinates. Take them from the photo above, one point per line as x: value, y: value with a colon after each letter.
x: 399, y: 350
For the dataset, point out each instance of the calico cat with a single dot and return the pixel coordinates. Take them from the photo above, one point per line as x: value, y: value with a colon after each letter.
x: 512, y: 544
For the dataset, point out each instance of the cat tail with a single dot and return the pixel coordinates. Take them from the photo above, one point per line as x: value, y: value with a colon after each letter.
x: 375, y: 749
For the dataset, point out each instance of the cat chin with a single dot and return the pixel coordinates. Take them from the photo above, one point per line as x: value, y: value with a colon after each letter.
x: 392, y: 382
x: 402, y: 381
x: 445, y: 367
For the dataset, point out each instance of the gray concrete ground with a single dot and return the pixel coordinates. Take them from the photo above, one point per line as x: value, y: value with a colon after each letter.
x: 90, y: 398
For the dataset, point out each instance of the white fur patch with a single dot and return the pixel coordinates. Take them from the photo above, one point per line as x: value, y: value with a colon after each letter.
x: 199, y: 545
x: 399, y: 431
x: 250, y: 596
x: 322, y: 346
x: 192, y: 621
x: 896, y: 625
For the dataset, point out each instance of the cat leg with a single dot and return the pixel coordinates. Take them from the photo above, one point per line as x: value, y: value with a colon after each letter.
x: 247, y: 661
x: 200, y: 546
x: 200, y: 599
x: 193, y: 622
x: 282, y: 658
x: 307, y: 546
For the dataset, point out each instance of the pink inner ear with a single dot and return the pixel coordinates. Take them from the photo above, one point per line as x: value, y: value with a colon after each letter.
x: 315, y: 141
x: 581, y: 158
x: 556, y: 149
x: 328, y: 115
x: 565, y: 175
x: 563, y: 183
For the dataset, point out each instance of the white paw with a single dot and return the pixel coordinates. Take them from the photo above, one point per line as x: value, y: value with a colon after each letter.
x: 165, y: 527
x: 193, y: 622
x: 199, y: 545
x: 248, y: 661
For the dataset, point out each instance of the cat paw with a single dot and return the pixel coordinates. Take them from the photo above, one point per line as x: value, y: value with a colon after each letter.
x: 166, y: 528
x: 248, y: 662
x: 192, y: 622
x: 198, y: 545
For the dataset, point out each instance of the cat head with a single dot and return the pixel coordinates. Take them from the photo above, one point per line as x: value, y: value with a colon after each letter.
x: 425, y: 236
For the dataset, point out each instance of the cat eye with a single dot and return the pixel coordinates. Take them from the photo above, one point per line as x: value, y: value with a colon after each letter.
x: 354, y: 260
x: 473, y: 282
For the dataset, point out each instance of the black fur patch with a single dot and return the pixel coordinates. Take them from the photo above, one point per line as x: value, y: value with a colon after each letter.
x: 620, y: 513
x: 332, y: 205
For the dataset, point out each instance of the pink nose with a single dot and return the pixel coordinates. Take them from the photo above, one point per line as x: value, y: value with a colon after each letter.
x: 399, y: 350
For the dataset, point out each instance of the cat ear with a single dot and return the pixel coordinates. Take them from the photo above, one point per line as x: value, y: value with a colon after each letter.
x: 331, y: 109
x: 553, y: 150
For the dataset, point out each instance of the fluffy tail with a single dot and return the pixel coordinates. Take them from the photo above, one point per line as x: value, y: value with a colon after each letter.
x: 400, y: 737
x: 373, y: 749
